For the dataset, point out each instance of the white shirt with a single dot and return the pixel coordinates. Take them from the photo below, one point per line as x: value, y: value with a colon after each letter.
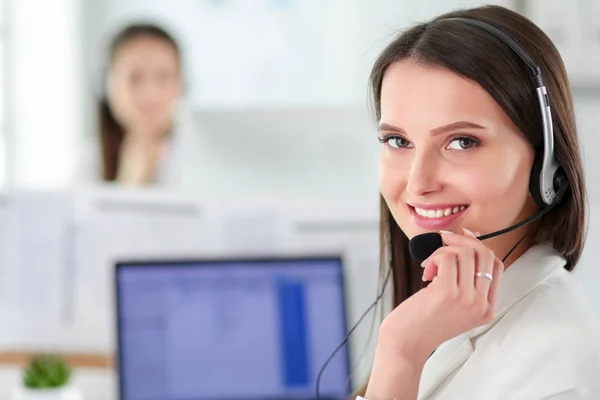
x: 544, y: 342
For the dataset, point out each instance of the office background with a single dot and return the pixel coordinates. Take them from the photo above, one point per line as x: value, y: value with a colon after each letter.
x: 277, y: 91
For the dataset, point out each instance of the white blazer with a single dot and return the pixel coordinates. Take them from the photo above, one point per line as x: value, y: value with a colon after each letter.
x: 543, y: 344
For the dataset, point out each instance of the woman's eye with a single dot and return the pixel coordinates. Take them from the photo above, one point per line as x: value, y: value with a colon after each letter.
x: 396, y: 142
x: 463, y: 143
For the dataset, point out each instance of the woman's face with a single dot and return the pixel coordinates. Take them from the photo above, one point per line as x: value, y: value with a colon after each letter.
x: 145, y: 84
x: 452, y: 158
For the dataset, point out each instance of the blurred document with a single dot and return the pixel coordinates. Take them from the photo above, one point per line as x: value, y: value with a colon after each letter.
x: 36, y: 237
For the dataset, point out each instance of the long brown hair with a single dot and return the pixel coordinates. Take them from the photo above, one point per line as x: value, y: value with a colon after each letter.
x: 110, y: 131
x: 482, y: 58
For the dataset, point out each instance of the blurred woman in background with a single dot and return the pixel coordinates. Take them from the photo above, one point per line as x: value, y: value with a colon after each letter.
x: 137, y: 113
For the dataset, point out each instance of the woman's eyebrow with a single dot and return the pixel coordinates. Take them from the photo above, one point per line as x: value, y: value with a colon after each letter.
x: 454, y: 126
x: 437, y: 131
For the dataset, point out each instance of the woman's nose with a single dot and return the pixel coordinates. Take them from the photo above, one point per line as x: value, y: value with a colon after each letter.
x: 424, y: 175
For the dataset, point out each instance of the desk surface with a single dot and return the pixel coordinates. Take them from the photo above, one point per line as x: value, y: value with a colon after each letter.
x: 76, y: 360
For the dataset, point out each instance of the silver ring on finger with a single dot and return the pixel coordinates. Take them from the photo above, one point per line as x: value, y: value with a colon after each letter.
x: 485, y: 275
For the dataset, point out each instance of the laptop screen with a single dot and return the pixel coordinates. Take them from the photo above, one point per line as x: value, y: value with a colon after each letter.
x: 225, y: 330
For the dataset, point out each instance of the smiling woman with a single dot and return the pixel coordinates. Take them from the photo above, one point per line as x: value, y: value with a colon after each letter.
x: 433, y: 162
x: 465, y: 148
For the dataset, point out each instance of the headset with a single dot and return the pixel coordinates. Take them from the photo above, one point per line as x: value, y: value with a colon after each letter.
x: 548, y: 181
x: 548, y: 184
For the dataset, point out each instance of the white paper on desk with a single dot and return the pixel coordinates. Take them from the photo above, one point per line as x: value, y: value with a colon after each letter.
x: 39, y: 230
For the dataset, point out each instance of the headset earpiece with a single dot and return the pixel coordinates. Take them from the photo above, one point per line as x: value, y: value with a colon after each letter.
x: 560, y: 184
x: 534, y: 180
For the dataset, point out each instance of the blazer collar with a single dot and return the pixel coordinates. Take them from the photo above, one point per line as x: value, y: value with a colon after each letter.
x: 528, y: 271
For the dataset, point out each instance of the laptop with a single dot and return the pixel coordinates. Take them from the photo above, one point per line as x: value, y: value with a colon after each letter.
x: 231, y: 329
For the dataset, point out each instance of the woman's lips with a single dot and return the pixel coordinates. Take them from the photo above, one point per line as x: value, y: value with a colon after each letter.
x: 436, y: 217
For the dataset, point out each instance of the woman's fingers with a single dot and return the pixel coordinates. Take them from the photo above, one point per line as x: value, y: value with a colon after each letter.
x: 452, y: 239
x: 430, y: 268
x: 430, y: 271
x: 447, y: 264
x: 486, y: 266
x: 471, y: 257
x: 487, y: 263
x: 467, y: 259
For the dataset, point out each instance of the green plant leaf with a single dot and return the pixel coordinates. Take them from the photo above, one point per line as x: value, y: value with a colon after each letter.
x: 46, y: 371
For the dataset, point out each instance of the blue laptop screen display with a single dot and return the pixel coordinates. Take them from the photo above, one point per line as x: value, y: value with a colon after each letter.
x: 231, y: 330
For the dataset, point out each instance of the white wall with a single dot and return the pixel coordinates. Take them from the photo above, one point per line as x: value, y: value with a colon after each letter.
x: 44, y: 90
x: 588, y: 118
x: 286, y: 53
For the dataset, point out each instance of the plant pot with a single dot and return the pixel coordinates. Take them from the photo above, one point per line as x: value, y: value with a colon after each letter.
x: 65, y: 393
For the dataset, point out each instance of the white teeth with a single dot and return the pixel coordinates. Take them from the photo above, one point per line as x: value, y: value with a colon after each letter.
x: 439, y: 213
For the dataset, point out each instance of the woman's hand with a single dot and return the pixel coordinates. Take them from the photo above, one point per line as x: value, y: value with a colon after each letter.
x: 455, y: 301
x: 139, y: 159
